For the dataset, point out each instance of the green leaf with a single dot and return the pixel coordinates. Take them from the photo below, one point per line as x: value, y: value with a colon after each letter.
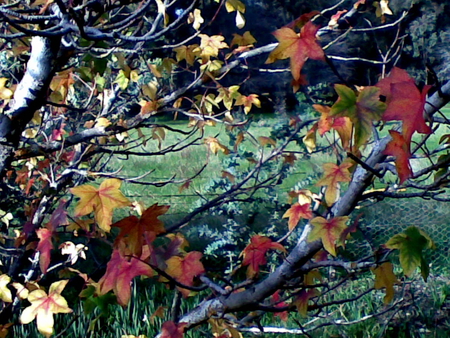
x: 362, y: 109
x: 411, y: 243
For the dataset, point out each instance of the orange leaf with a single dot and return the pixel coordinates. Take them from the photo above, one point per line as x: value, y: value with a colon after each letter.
x: 264, y: 140
x: 184, y: 269
x: 102, y: 200
x: 254, y: 253
x: 172, y: 330
x: 120, y: 271
x: 43, y: 307
x: 399, y: 148
x: 135, y: 230
x: 333, y: 174
x: 296, y: 212
x: 214, y: 145
x: 329, y: 231
x: 297, y: 47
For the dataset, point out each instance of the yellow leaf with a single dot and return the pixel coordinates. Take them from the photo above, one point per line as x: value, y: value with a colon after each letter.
x: 5, y: 293
x: 102, y: 201
x: 385, y: 278
x: 264, y: 140
x: 215, y: 146
x: 333, y: 174
x: 244, y: 40
x: 196, y: 19
x: 234, y: 5
x: 43, y: 307
x: 5, y: 93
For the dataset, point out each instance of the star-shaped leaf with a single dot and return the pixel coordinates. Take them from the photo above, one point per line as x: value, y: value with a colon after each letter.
x: 255, y: 253
x: 329, y: 231
x: 43, y: 307
x: 297, y: 47
x: 135, y: 230
x: 362, y: 109
x: 333, y: 174
x: 301, y: 301
x: 185, y: 269
x: 120, y: 271
x: 411, y: 244
x: 5, y: 293
x: 385, y: 278
x: 296, y: 212
x: 342, y: 125
x: 399, y: 148
x: 102, y: 200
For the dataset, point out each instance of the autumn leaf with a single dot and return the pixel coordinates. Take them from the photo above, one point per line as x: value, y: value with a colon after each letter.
x: 185, y: 269
x: 135, y: 230
x: 188, y: 53
x: 264, y: 141
x: 210, y: 46
x: 276, y: 300
x: 43, y: 307
x: 332, y: 176
x: 410, y: 244
x: 329, y: 231
x: 342, y: 125
x: 44, y: 247
x: 406, y: 103
x: 74, y: 251
x: 215, y: 146
x: 362, y: 109
x: 195, y: 18
x: 102, y: 201
x: 399, y: 148
x: 248, y: 102
x: 172, y: 330
x: 5, y: 293
x: 296, y: 212
x: 297, y: 47
x: 385, y: 278
x: 246, y: 39
x: 120, y: 271
x: 255, y: 253
x: 302, y: 300
x: 5, y: 93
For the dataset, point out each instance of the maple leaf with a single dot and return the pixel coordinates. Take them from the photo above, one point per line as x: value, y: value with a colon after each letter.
x: 246, y: 39
x: 74, y: 251
x: 195, y: 18
x: 248, y: 102
x: 283, y: 315
x: 5, y: 293
x: 296, y: 212
x: 185, y: 269
x: 5, y: 93
x: 255, y: 253
x: 187, y: 53
x: 301, y: 301
x: 102, y: 200
x: 333, y: 174
x: 120, y: 271
x: 210, y: 46
x: 43, y: 307
x: 264, y: 141
x: 385, y: 278
x: 297, y: 47
x: 44, y: 247
x: 411, y: 243
x: 329, y: 231
x: 342, y: 125
x: 362, y: 109
x: 406, y: 104
x: 399, y: 148
x: 215, y: 146
x: 172, y: 330
x: 135, y: 230
x: 396, y: 75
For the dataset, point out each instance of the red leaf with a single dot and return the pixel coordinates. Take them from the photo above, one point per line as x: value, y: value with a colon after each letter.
x: 404, y: 103
x: 119, y: 273
x: 135, y: 230
x: 171, y: 330
x: 328, y: 230
x: 297, y: 47
x: 296, y: 212
x: 254, y: 253
x: 276, y: 300
x: 44, y: 247
x: 399, y: 148
x: 302, y: 300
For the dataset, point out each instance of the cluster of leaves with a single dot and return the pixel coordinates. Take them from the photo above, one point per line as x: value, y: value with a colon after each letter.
x: 89, y: 120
